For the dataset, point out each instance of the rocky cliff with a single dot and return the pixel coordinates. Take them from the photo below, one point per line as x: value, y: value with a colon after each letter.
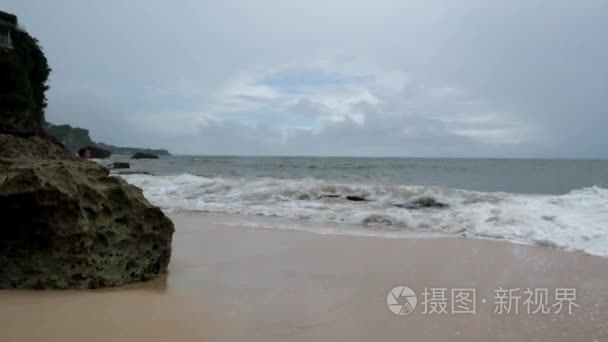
x: 75, y: 138
x: 65, y: 222
x: 23, y: 84
x: 133, y: 150
x: 68, y: 224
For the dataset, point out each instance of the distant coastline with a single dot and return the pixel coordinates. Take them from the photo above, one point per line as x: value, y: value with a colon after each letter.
x: 132, y: 150
x: 74, y: 138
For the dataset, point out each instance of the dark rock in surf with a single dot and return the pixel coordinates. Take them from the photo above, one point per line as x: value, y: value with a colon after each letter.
x: 421, y: 203
x: 98, y: 153
x: 142, y: 155
x: 135, y: 173
x: 328, y: 196
x: 119, y: 165
x: 304, y: 197
x: 353, y: 198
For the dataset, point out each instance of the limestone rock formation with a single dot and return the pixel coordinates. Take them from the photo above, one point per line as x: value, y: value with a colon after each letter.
x: 64, y: 222
x: 67, y: 224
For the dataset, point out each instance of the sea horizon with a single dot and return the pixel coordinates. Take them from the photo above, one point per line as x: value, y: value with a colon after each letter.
x: 377, y: 157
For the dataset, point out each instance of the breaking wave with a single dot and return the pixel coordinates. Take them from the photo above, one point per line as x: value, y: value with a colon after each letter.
x: 577, y: 220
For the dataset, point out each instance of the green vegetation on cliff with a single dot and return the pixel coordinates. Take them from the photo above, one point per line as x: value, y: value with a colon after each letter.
x: 35, y: 63
x: 25, y: 73
x: 74, y: 138
x: 66, y: 223
x: 133, y: 150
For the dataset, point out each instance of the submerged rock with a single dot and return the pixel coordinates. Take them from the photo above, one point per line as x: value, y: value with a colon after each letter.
x: 422, y: 202
x: 328, y: 196
x: 376, y: 219
x: 134, y: 173
x: 119, y: 165
x: 67, y: 224
x: 142, y: 155
x: 304, y: 197
x: 353, y: 198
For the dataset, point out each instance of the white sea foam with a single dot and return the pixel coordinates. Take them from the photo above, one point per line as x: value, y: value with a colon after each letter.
x: 577, y: 220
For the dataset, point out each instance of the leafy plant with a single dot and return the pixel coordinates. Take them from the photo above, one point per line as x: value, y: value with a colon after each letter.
x: 25, y: 72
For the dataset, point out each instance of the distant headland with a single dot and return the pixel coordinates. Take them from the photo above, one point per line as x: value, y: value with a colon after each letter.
x: 66, y: 222
x: 75, y: 138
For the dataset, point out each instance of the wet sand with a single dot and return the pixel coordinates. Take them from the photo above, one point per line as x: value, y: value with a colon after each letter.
x: 230, y: 283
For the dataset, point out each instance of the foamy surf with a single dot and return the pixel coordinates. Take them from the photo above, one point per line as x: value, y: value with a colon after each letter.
x: 577, y: 220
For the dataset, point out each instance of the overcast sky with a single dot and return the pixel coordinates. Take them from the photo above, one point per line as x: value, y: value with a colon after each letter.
x: 466, y: 78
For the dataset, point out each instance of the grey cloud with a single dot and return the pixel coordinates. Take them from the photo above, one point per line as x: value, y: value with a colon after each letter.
x: 308, y: 108
x: 536, y: 69
x: 392, y: 136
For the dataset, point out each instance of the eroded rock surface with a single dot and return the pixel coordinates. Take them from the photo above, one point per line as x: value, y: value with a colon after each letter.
x: 65, y: 223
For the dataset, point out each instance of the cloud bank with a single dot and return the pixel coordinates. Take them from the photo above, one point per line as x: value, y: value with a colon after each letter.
x: 470, y: 78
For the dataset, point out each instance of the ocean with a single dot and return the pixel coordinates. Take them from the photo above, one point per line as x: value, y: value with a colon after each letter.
x: 561, y: 203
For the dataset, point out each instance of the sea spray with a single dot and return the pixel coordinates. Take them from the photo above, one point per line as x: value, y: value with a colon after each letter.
x: 577, y: 220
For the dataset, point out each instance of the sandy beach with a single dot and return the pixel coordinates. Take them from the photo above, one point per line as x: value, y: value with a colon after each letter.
x: 294, y: 171
x: 230, y: 283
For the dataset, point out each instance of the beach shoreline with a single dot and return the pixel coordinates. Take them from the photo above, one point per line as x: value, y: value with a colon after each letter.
x: 234, y: 283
